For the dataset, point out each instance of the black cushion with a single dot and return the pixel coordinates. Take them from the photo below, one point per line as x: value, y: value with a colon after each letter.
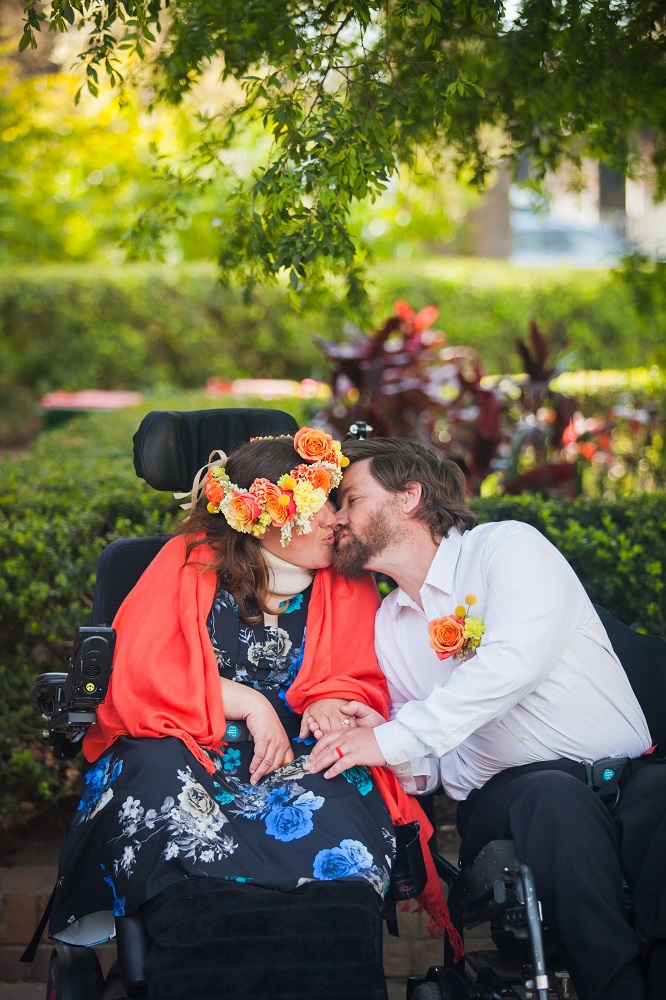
x: 170, y: 447
x: 119, y: 567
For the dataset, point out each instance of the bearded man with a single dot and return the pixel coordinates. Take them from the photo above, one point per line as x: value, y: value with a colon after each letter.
x: 506, y: 689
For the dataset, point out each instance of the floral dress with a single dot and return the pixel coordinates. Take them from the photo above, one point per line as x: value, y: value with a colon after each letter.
x: 151, y: 815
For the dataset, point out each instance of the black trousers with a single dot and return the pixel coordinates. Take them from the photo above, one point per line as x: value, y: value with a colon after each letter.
x: 580, y: 853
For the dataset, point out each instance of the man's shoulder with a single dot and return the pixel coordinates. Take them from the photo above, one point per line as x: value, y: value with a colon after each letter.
x: 497, y: 531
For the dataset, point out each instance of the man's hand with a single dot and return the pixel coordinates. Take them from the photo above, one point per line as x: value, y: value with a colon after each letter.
x: 324, y: 716
x: 357, y: 746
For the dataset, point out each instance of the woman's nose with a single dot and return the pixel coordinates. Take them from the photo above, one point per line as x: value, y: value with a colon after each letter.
x: 328, y: 515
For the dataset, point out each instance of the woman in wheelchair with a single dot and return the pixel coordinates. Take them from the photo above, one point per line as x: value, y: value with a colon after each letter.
x: 235, y: 651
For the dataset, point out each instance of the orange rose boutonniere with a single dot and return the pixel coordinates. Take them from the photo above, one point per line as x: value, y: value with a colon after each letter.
x: 457, y: 634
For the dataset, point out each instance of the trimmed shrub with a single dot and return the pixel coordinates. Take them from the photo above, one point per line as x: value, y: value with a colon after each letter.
x: 148, y: 326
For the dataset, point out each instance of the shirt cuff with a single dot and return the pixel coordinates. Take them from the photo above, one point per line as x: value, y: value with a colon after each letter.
x: 398, y: 744
x: 417, y: 777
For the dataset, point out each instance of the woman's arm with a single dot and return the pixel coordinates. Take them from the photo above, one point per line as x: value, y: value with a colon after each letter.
x: 272, y: 747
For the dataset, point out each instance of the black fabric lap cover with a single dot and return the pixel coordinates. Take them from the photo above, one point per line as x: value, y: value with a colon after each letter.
x: 212, y: 939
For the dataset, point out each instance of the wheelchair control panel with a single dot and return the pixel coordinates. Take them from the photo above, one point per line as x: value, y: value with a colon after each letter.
x: 69, y: 700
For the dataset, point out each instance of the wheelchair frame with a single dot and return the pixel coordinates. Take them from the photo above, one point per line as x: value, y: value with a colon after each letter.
x: 496, y: 888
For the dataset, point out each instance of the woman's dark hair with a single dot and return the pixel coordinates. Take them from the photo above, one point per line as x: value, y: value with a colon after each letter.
x: 394, y: 463
x: 238, y: 559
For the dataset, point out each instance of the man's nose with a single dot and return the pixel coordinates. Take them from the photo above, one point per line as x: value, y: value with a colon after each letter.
x: 340, y: 518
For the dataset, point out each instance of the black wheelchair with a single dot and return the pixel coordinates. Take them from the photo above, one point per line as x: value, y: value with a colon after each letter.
x: 498, y: 890
x: 169, y: 448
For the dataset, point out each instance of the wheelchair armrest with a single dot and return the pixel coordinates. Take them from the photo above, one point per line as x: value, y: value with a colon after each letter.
x: 491, y: 885
x: 46, y: 694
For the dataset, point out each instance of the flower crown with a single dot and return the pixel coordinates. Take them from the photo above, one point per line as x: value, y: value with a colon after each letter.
x: 288, y: 504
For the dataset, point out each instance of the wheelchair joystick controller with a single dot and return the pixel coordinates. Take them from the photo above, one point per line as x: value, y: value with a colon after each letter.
x: 69, y: 701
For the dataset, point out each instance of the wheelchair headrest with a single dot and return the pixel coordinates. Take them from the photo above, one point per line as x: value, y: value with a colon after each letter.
x: 171, y: 446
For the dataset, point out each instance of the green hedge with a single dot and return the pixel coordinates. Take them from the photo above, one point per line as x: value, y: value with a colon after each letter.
x: 147, y: 326
x: 75, y: 490
x: 486, y: 305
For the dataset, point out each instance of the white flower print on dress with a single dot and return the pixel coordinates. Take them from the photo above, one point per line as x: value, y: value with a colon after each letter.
x: 193, y: 823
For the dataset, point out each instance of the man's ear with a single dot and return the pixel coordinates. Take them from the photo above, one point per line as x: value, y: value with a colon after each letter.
x: 411, y: 497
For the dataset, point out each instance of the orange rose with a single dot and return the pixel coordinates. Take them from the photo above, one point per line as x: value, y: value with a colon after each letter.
x: 243, y: 509
x: 447, y: 635
x: 314, y: 445
x: 214, y: 490
x: 280, y: 504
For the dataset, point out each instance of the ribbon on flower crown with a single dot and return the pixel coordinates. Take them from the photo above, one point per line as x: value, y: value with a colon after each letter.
x: 199, y: 484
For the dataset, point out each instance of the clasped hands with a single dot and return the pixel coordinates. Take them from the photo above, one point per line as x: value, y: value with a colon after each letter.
x: 352, y: 744
x: 341, y: 727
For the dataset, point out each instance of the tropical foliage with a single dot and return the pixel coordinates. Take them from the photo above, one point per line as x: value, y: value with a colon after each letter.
x: 509, y: 434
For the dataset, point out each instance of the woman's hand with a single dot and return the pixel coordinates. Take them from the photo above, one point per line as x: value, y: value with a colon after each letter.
x: 325, y: 716
x: 272, y: 747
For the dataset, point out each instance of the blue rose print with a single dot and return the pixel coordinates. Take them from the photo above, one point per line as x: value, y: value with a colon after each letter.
x: 350, y: 858
x: 291, y: 822
x: 118, y: 902
x: 97, y: 789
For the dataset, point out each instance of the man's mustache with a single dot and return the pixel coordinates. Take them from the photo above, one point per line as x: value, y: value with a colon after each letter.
x: 337, y: 532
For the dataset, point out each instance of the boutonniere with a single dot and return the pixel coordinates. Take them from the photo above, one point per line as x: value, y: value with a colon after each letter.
x: 457, y: 634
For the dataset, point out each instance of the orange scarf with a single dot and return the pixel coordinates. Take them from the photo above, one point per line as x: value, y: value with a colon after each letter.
x: 165, y: 680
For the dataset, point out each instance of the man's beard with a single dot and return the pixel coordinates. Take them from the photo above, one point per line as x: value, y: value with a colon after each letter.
x: 354, y: 553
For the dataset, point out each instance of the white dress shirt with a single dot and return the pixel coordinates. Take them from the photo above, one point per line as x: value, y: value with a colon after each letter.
x: 544, y: 683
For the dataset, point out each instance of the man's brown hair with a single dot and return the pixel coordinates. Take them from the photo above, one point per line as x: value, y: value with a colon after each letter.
x: 395, y: 462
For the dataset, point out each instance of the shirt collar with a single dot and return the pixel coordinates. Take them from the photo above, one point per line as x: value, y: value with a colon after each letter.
x: 441, y: 572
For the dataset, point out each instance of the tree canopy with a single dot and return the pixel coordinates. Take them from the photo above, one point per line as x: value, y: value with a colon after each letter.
x: 347, y: 90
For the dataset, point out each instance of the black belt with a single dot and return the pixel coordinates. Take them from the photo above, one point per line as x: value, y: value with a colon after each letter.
x: 602, y: 776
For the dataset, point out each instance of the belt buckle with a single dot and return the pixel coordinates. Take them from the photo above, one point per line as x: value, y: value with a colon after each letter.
x: 233, y: 731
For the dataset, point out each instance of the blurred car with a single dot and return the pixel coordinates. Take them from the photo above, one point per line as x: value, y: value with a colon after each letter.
x: 545, y: 241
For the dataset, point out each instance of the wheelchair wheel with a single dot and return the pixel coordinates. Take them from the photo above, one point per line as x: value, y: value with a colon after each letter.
x: 74, y: 974
x: 452, y: 988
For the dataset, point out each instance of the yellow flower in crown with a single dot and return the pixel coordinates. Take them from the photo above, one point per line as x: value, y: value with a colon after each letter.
x: 457, y: 634
x: 291, y: 503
